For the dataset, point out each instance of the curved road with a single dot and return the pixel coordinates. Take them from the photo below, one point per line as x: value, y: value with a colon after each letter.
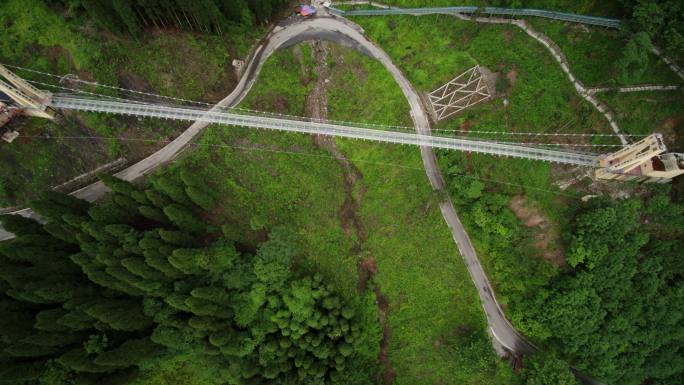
x: 505, y: 338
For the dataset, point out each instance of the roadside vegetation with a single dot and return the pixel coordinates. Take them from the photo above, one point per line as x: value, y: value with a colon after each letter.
x: 596, y: 55
x: 514, y: 213
x: 437, y: 328
x: 271, y: 257
x: 64, y: 39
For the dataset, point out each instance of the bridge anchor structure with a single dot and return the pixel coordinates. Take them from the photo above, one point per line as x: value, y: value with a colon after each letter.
x: 646, y: 160
x: 643, y: 161
x: 19, y: 97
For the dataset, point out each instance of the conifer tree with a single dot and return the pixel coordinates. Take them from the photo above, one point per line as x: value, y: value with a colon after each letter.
x: 20, y: 225
x: 200, y: 197
x: 158, y: 199
x: 124, y: 10
x: 52, y: 205
x: 133, y: 352
x: 21, y: 372
x: 109, y: 212
x: 47, y: 320
x: 118, y: 185
x: 178, y: 238
x: 126, y: 203
x: 172, y: 188
x: 80, y: 361
x: 123, y: 315
x: 153, y: 213
x: 184, y: 219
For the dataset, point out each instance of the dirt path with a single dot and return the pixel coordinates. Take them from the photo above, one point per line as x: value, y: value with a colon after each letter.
x: 317, y: 108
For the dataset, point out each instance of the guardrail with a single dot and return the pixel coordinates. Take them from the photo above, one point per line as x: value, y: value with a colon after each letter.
x: 484, y: 11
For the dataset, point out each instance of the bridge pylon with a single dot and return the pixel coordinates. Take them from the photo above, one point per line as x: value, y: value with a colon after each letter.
x: 643, y: 161
x: 31, y: 100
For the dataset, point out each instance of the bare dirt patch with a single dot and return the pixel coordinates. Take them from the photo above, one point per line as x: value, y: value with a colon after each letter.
x: 134, y: 82
x: 512, y: 77
x: 669, y: 127
x: 507, y: 35
x: 57, y: 52
x: 546, y: 240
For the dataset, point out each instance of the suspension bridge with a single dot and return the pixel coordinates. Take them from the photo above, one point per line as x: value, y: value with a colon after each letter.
x: 623, y: 164
x: 645, y: 160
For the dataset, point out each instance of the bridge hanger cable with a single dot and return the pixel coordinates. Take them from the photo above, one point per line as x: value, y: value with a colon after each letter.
x: 299, y: 153
x: 399, y: 128
x: 540, y: 144
x: 537, y: 144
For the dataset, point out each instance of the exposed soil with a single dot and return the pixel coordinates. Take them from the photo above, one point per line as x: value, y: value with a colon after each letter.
x: 669, y: 128
x: 57, y: 52
x: 317, y: 108
x: 546, y: 237
x: 134, y: 82
x: 508, y: 35
x: 512, y: 77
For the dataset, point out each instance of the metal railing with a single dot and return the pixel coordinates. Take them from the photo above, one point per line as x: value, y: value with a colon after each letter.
x: 484, y: 11
x: 318, y: 128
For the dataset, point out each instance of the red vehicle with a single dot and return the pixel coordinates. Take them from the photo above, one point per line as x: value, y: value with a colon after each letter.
x: 305, y: 10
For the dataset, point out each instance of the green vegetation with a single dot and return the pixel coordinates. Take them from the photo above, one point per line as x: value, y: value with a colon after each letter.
x: 548, y: 370
x: 436, y: 323
x: 594, y: 55
x: 525, y: 262
x: 56, y: 40
x: 588, y: 7
x: 617, y: 312
x: 661, y: 20
x: 177, y: 283
x: 209, y: 16
x: 647, y: 112
x: 269, y: 257
x: 541, y: 98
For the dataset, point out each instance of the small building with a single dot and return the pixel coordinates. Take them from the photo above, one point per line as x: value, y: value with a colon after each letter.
x: 7, y: 113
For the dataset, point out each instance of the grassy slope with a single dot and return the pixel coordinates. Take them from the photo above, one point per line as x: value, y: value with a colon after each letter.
x: 438, y: 332
x: 266, y: 179
x: 647, y: 112
x: 592, y: 53
x: 289, y: 182
x: 176, y: 63
x: 588, y: 7
x: 541, y: 100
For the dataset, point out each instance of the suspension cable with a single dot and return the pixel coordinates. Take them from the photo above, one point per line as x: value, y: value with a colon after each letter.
x: 411, y: 131
x: 398, y: 128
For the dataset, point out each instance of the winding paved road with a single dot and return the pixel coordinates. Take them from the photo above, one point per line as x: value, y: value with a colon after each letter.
x: 505, y: 337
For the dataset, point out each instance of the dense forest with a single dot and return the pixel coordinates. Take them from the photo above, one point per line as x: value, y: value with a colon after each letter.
x: 209, y: 16
x: 103, y: 289
x: 615, y: 311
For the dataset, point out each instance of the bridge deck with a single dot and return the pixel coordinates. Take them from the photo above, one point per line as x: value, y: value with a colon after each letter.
x: 230, y: 118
